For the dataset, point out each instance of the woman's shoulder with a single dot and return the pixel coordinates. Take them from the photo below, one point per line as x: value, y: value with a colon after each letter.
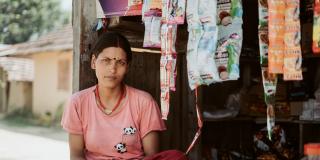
x: 83, y: 94
x: 138, y: 93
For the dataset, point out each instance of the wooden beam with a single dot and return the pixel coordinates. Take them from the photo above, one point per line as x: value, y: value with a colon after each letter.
x: 76, y: 21
x: 84, y: 18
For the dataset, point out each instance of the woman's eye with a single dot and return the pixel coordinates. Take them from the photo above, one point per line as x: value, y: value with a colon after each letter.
x: 122, y: 63
x: 106, y: 60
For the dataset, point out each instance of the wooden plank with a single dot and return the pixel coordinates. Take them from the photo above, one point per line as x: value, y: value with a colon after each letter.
x: 76, y: 25
x: 3, y: 90
x: 84, y: 18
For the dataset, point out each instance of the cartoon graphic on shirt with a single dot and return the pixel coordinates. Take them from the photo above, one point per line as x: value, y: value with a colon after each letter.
x: 129, y: 131
x: 121, y: 148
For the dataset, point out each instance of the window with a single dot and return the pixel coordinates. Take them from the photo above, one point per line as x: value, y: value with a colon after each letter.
x: 63, y: 74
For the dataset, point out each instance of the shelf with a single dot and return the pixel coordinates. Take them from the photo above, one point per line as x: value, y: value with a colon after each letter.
x: 278, y: 120
x: 227, y: 119
x: 308, y: 122
x: 261, y: 120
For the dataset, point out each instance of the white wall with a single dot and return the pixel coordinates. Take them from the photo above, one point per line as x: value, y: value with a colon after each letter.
x: 20, y: 94
x: 46, y: 95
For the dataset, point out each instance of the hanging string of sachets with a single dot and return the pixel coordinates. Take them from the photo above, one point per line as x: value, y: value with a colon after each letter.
x: 215, y: 40
x: 173, y: 13
x: 316, y: 28
x: 161, y: 19
x: 284, y: 39
x: 269, y: 79
x: 229, y: 39
x: 203, y: 34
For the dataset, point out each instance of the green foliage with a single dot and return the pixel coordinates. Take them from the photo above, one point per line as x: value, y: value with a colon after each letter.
x: 20, y: 19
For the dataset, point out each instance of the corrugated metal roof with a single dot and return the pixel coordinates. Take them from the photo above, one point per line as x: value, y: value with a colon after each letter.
x: 59, y: 40
x: 19, y: 69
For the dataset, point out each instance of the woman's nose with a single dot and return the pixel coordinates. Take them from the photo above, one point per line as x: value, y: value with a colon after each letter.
x: 113, y: 66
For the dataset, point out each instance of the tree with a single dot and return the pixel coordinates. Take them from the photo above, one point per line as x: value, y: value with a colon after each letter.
x: 20, y: 19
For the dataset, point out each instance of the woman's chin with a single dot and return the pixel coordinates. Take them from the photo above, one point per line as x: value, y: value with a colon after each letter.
x: 110, y: 85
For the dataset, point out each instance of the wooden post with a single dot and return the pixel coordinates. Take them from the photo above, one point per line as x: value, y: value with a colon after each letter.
x: 3, y: 90
x: 83, y: 19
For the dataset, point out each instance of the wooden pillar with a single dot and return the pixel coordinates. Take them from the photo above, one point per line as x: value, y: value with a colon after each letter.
x: 3, y: 90
x: 83, y: 19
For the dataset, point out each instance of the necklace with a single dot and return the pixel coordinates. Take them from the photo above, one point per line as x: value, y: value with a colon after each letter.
x: 103, y: 107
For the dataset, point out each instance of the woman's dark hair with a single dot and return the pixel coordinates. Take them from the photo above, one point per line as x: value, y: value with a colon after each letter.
x: 112, y: 39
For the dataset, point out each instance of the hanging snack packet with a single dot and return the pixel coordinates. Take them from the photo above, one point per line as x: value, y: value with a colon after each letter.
x: 269, y: 86
x: 195, y: 32
x: 292, y: 57
x: 149, y: 5
x: 167, y: 66
x: 175, y: 11
x: 164, y: 87
x: 316, y: 28
x: 168, y: 49
x: 152, y: 22
x: 270, y: 120
x: 147, y: 31
x: 276, y: 26
x: 168, y: 39
x: 201, y: 42
x: 155, y: 32
x: 134, y: 2
x: 269, y: 79
x: 207, y: 42
x: 263, y: 32
x: 229, y: 39
x: 134, y: 7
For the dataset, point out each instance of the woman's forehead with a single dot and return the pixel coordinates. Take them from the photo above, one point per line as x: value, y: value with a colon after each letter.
x: 113, y: 52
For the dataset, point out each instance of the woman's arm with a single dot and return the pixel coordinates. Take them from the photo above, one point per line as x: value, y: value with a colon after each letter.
x: 76, y: 145
x: 151, y: 143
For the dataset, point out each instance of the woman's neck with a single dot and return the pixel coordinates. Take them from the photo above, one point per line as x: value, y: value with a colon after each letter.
x: 110, y: 94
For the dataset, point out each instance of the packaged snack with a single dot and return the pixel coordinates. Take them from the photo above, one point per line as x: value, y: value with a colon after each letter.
x: 276, y: 26
x: 229, y: 39
x: 292, y: 57
x: 174, y: 11
x: 316, y: 28
x: 202, y: 41
x: 152, y: 22
x: 167, y: 66
x: 149, y: 5
x: 263, y: 32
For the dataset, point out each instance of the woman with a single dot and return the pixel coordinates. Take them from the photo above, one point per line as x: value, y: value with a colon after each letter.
x: 112, y: 120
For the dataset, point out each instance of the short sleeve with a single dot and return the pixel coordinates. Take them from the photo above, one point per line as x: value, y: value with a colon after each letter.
x: 151, y: 118
x: 71, y: 121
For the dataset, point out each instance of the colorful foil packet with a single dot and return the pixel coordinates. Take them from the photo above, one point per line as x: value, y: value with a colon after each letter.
x: 175, y: 11
x: 276, y: 26
x: 229, y: 39
x: 292, y: 57
x: 152, y: 22
x: 263, y: 32
x: 167, y: 66
x: 203, y: 33
x: 269, y: 80
x: 316, y: 28
x: 150, y: 5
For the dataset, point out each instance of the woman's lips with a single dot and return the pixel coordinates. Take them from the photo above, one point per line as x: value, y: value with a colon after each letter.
x: 110, y: 77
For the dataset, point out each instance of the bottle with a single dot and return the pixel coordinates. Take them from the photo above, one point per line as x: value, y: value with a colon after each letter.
x: 312, y: 151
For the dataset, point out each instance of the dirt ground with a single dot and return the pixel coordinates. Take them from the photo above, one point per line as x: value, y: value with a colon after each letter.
x: 28, y: 142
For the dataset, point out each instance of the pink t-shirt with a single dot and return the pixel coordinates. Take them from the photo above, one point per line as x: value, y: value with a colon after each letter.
x: 115, y: 136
